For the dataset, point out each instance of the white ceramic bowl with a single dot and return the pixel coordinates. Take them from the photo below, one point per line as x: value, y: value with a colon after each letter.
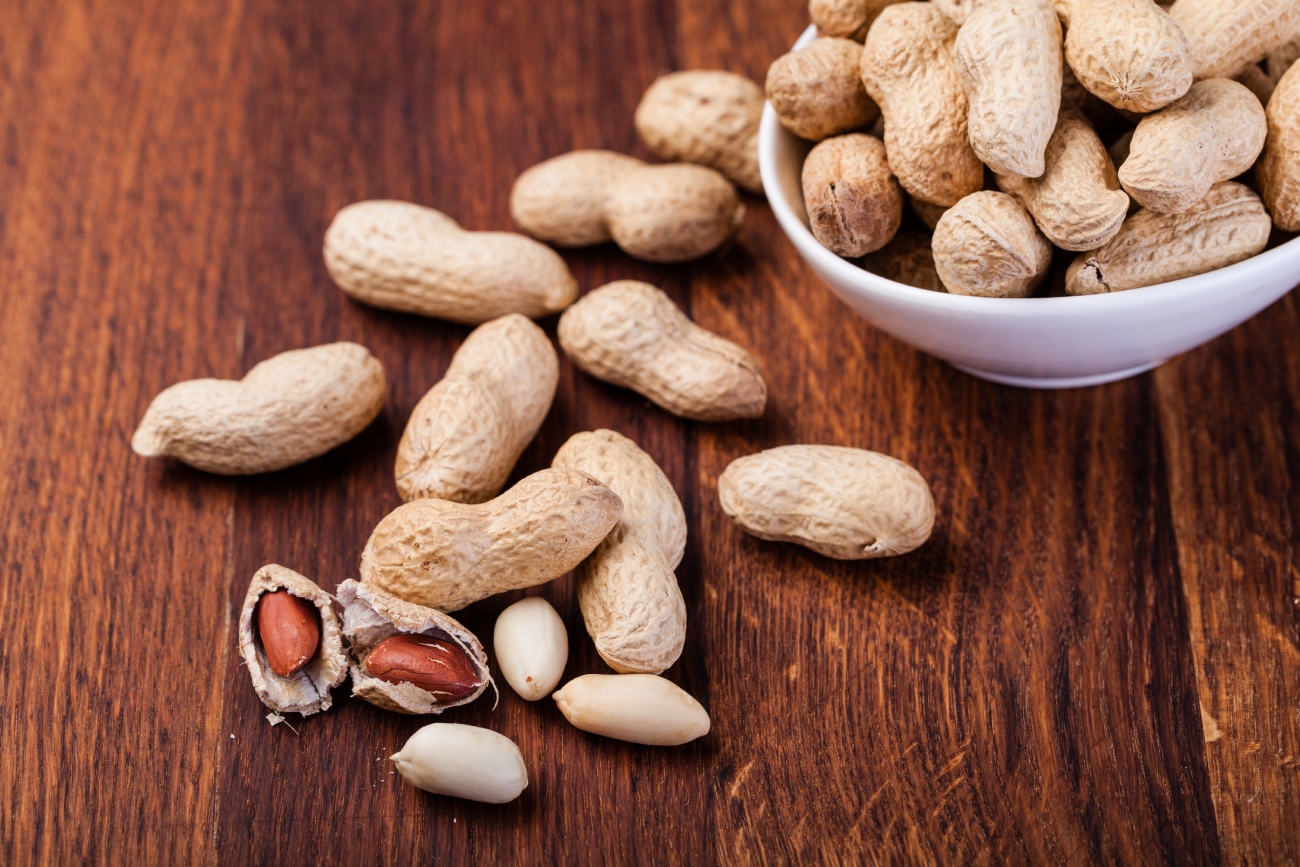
x: 1059, y: 342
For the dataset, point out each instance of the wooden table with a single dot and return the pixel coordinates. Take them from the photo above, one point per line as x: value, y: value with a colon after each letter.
x: 1093, y: 660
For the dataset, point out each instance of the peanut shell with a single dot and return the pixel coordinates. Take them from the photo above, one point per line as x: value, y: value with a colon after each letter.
x: 908, y: 259
x: 1226, y: 36
x: 562, y: 200
x: 672, y: 213
x: 849, y: 19
x: 987, y: 245
x: 816, y: 92
x: 854, y: 204
x: 1129, y: 53
x: 1278, y: 170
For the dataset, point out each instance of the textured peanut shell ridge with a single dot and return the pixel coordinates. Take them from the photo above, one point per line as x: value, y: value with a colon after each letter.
x: 632, y: 335
x: 288, y: 409
x: 908, y: 68
x: 849, y: 19
x: 1226, y: 36
x: 988, y: 245
x: 1076, y: 202
x: 467, y: 432
x: 1129, y: 53
x: 307, y: 690
x: 908, y: 259
x: 1278, y: 170
x: 562, y: 200
x: 1227, y: 226
x: 816, y: 92
x: 1212, y: 133
x: 628, y: 593
x: 707, y: 117
x: 849, y: 504
x: 1008, y: 54
x: 446, y: 555
x: 1283, y: 57
x: 854, y: 204
x: 672, y: 213
x: 405, y: 257
x: 370, y: 615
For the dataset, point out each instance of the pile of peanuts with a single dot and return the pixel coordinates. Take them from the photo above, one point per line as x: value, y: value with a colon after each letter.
x: 1121, y: 133
x: 603, y: 509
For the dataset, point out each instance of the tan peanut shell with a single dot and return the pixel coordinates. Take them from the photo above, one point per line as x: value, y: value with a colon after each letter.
x: 816, y: 91
x: 307, y: 690
x: 707, y: 117
x: 1226, y: 36
x: 1213, y: 133
x: 854, y: 204
x: 1129, y: 53
x: 850, y: 504
x: 405, y: 257
x: 907, y: 67
x: 445, y: 555
x: 908, y: 259
x: 850, y: 19
x: 370, y: 615
x: 562, y: 200
x: 929, y: 214
x: 288, y: 409
x: 1225, y: 227
x: 1077, y: 202
x: 632, y: 335
x: 987, y: 245
x: 958, y: 10
x: 1278, y: 169
x: 1008, y: 55
x: 467, y: 432
x: 628, y: 593
x: 1283, y: 57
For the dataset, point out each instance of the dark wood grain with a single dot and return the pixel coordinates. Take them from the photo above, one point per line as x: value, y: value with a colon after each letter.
x: 1094, y: 660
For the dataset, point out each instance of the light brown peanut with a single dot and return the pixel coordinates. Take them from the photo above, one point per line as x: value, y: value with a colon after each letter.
x: 1077, y: 202
x: 849, y: 504
x: 958, y: 10
x: 401, y: 256
x: 987, y: 245
x: 907, y: 67
x: 467, y: 432
x: 445, y: 555
x: 289, y: 627
x: 908, y: 259
x: 1129, y: 53
x: 1225, y: 227
x: 288, y: 409
x: 1226, y: 36
x: 1278, y: 169
x: 1213, y: 133
x: 854, y: 204
x: 662, y: 213
x: 1008, y: 55
x: 850, y: 19
x: 628, y: 593
x: 816, y: 91
x: 707, y: 117
x: 632, y: 335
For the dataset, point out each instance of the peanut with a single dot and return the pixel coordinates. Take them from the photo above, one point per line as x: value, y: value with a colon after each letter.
x: 908, y: 69
x: 1226, y: 36
x: 463, y: 761
x: 641, y: 708
x: 631, y: 334
x: 815, y: 91
x: 1128, y: 52
x: 854, y: 204
x: 1077, y: 202
x: 850, y: 19
x: 532, y: 647
x: 907, y: 259
x: 987, y: 245
x: 707, y: 117
x: 409, y: 659
x: 405, y: 257
x: 445, y: 555
x: 465, y: 435
x: 849, y: 504
x: 628, y: 593
x: 1225, y: 227
x: 666, y: 213
x: 958, y: 10
x: 1008, y: 55
x: 1279, y: 168
x: 290, y: 641
x: 288, y: 409
x: 1211, y: 134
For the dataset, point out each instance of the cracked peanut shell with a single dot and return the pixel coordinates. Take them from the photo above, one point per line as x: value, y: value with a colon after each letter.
x: 853, y: 202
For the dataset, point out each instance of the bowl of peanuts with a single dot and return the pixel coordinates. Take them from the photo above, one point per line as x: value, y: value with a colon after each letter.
x: 991, y: 280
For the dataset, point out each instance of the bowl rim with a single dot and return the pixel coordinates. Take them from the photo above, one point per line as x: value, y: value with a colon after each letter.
x: 862, y: 279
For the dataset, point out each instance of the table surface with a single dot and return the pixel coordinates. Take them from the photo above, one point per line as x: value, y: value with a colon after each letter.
x: 1093, y: 660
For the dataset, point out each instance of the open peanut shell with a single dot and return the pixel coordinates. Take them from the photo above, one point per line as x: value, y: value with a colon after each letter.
x: 371, y: 615
x: 306, y: 691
